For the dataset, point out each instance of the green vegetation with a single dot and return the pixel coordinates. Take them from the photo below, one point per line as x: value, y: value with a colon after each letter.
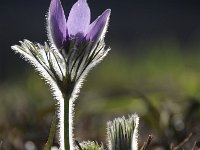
x: 162, y: 85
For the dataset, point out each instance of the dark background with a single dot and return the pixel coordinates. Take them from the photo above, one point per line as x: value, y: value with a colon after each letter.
x: 133, y: 22
x: 153, y: 67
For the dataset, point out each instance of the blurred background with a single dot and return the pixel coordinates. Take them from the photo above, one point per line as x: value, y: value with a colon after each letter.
x: 153, y: 69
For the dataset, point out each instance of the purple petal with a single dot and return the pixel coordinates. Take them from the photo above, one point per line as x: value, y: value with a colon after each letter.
x: 79, y: 18
x: 57, y: 24
x: 98, y: 28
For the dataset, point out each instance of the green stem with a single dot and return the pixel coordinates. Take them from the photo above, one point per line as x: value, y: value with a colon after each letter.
x: 52, y: 131
x: 66, y: 118
x: 66, y: 122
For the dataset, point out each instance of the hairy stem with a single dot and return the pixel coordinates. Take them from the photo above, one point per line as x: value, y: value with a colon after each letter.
x: 65, y: 113
x: 66, y: 119
x: 64, y: 123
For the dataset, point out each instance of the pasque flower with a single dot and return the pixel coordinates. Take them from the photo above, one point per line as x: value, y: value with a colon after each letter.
x: 123, y: 133
x: 77, y: 27
x: 75, y: 38
x: 75, y: 46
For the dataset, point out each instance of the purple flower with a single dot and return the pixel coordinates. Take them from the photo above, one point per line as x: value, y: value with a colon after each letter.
x: 77, y: 27
x: 75, y: 46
